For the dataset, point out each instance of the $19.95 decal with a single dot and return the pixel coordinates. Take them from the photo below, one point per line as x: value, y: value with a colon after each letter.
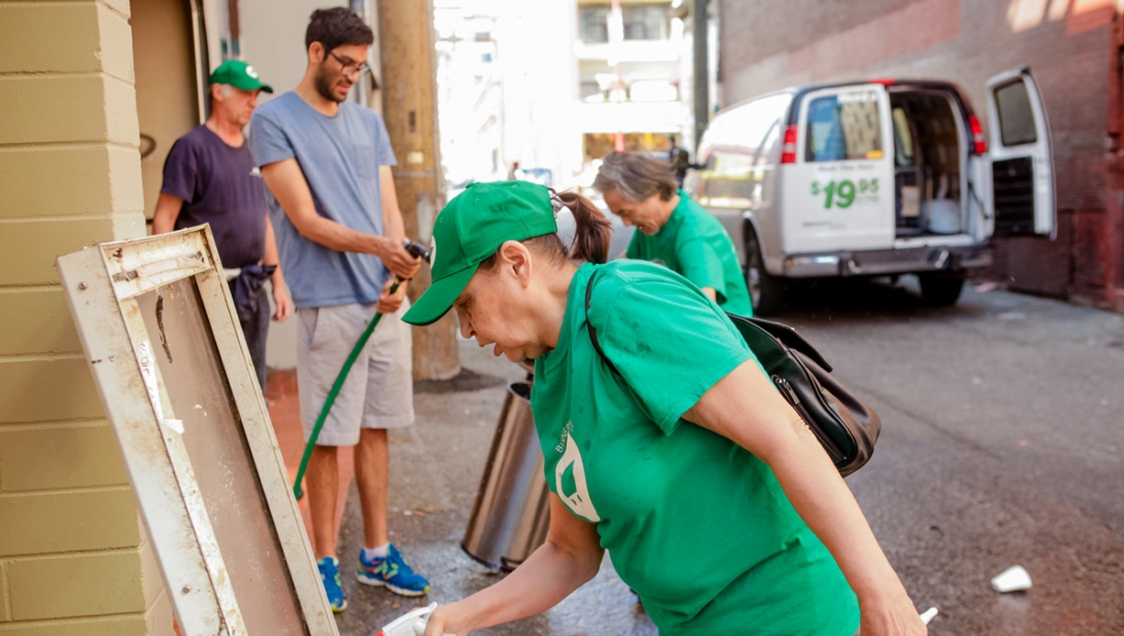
x: 844, y: 193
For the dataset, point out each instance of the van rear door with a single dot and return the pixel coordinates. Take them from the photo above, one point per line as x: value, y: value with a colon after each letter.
x: 839, y: 192
x: 1022, y: 157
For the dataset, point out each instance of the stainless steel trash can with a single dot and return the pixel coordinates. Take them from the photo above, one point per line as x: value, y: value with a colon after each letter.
x: 511, y: 514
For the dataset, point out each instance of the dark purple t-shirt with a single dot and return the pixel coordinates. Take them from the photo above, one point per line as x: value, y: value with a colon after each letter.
x: 220, y: 185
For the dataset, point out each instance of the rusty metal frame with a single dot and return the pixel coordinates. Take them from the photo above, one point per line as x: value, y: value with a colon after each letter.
x: 102, y: 283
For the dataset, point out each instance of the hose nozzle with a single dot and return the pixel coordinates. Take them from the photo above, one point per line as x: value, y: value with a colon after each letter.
x: 417, y: 250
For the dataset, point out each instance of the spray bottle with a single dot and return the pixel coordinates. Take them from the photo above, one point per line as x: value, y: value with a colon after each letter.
x: 409, y: 624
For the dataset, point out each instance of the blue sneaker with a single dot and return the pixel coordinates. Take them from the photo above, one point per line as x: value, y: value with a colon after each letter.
x: 393, y: 572
x: 330, y: 576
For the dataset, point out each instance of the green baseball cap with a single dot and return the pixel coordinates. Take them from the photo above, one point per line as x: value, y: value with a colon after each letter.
x: 470, y: 229
x: 239, y: 74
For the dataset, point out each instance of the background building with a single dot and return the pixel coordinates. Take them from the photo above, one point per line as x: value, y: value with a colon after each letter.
x: 1071, y: 47
x: 555, y: 86
x: 633, y: 91
x: 506, y: 88
x: 470, y: 82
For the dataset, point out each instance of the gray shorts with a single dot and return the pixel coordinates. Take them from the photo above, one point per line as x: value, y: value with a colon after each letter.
x: 379, y: 390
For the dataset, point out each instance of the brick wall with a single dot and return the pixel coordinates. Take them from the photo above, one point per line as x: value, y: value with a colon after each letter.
x: 766, y: 45
x: 73, y: 559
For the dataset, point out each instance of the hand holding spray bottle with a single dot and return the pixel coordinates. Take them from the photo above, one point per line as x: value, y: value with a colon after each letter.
x: 409, y: 624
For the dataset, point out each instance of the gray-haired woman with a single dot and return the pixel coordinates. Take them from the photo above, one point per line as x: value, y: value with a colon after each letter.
x: 675, y: 231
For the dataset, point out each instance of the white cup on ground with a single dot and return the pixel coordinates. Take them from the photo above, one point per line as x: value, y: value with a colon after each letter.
x: 1013, y: 579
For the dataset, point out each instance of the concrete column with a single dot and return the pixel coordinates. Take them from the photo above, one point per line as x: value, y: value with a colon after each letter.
x: 409, y: 108
x: 72, y: 553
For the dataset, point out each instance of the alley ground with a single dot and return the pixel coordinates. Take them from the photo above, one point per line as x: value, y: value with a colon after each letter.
x: 1003, y: 430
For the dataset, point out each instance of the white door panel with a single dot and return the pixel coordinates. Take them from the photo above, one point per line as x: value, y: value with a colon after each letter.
x: 1022, y: 158
x: 839, y: 195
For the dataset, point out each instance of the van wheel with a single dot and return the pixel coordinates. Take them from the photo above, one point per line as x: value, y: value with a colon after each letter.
x: 941, y: 290
x: 766, y: 291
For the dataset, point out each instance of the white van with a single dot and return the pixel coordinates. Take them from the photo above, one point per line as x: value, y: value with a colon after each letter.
x: 876, y: 178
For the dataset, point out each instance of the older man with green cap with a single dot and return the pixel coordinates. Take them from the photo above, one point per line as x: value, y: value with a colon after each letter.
x: 210, y: 176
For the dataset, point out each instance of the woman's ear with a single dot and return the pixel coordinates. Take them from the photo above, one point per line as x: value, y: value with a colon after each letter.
x: 515, y: 260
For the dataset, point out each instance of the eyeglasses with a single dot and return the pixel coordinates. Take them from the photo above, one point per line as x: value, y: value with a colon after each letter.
x: 350, y: 68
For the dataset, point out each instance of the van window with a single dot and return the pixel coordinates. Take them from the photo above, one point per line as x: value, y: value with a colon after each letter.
x: 844, y: 126
x: 740, y: 146
x: 727, y: 181
x: 1016, y: 119
x: 748, y: 126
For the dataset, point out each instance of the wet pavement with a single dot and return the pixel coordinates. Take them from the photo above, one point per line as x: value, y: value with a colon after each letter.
x: 1001, y: 445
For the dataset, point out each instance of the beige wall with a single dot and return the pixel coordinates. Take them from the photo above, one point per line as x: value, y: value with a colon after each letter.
x: 72, y: 555
x: 273, y: 39
x: 167, y: 99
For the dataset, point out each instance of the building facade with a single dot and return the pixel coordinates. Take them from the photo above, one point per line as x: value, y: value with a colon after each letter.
x: 553, y: 87
x: 1071, y: 46
x: 470, y: 91
x: 635, y: 76
x: 81, y: 99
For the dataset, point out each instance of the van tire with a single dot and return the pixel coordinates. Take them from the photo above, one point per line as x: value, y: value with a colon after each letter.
x: 766, y: 292
x: 941, y: 290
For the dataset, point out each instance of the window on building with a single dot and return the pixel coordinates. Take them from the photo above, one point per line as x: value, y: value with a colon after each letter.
x: 645, y: 21
x: 591, y: 92
x: 641, y: 22
x: 593, y: 27
x: 844, y: 126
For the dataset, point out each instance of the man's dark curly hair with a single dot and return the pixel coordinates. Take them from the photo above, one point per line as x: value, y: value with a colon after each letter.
x: 337, y: 26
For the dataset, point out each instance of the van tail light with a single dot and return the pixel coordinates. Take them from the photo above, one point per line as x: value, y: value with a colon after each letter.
x: 788, y: 150
x: 979, y: 142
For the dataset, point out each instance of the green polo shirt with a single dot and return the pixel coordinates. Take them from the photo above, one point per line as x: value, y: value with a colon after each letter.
x: 694, y: 244
x: 694, y: 523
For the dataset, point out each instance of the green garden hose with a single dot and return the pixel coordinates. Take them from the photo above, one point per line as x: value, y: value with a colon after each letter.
x: 418, y: 251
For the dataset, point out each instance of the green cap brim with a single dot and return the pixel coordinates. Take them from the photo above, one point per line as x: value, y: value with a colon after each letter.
x: 250, y: 84
x: 241, y: 82
x: 439, y: 298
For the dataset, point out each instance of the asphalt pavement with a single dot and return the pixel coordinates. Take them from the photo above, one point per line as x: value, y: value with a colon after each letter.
x: 1001, y: 445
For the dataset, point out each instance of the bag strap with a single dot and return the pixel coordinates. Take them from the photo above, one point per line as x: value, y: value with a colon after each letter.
x: 787, y: 336
x: 589, y: 325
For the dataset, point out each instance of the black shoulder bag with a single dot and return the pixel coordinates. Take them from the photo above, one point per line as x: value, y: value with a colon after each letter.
x: 845, y: 425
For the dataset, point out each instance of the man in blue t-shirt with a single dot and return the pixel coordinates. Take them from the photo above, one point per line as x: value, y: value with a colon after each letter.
x: 327, y: 163
x: 210, y: 176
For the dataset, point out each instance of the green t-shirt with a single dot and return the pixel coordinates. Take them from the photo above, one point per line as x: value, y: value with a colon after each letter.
x: 694, y: 523
x: 694, y: 244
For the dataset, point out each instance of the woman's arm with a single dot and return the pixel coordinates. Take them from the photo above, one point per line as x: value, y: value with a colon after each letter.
x: 570, y: 557
x: 745, y: 407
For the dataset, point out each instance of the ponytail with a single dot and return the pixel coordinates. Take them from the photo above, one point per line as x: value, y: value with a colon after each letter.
x: 593, y: 230
x: 591, y: 235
